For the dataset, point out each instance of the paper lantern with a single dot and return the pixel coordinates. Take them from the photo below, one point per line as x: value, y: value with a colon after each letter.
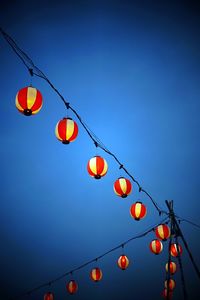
x: 163, y: 232
x: 48, y: 296
x: 156, y: 246
x: 96, y: 274
x: 97, y: 167
x: 72, y: 287
x: 123, y: 262
x: 172, y: 267
x: 122, y: 187
x: 66, y: 130
x: 170, y: 284
x: 174, y: 250
x: 138, y: 211
x: 28, y: 101
x: 164, y: 294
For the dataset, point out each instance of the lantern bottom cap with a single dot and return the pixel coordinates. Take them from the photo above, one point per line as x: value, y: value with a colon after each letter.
x: 65, y: 142
x: 97, y: 176
x: 27, y: 112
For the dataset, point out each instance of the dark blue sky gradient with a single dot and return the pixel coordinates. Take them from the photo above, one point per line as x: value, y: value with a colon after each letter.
x: 132, y: 72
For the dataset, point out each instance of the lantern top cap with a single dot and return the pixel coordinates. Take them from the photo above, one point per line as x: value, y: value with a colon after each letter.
x: 139, y: 202
x: 67, y: 118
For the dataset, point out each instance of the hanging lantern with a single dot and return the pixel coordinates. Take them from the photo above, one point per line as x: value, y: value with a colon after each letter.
x: 174, y: 250
x: 172, y: 267
x: 123, y: 262
x: 170, y: 284
x: 72, y: 287
x: 138, y: 211
x: 162, y: 232
x: 164, y: 294
x: 156, y: 246
x: 66, y: 130
x: 97, y: 167
x: 28, y: 101
x: 48, y: 296
x: 96, y: 274
x: 122, y: 187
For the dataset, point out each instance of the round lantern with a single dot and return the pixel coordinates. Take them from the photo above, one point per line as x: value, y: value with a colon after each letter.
x: 170, y: 284
x: 97, y: 167
x: 138, y: 211
x: 123, y: 262
x: 164, y: 294
x: 162, y: 232
x: 72, y: 287
x: 66, y: 130
x: 96, y: 274
x: 122, y: 187
x: 174, y: 250
x: 29, y: 101
x: 172, y: 267
x: 156, y: 246
x: 48, y: 296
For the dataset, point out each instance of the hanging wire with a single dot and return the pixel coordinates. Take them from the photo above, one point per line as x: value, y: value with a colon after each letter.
x: 34, y: 70
x: 187, y: 221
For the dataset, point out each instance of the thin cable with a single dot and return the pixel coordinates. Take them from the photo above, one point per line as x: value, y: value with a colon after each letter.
x: 140, y: 235
x: 188, y: 221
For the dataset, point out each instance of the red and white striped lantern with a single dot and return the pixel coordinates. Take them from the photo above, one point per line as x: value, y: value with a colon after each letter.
x: 97, y: 167
x: 72, y: 287
x: 138, y: 211
x: 49, y: 296
x: 123, y: 262
x: 172, y: 267
x: 66, y: 130
x: 162, y: 232
x: 174, y: 250
x: 170, y: 284
x: 96, y: 274
x: 156, y: 247
x: 122, y: 187
x: 28, y: 101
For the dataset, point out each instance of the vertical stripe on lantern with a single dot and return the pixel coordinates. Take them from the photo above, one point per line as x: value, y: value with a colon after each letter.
x: 31, y: 97
x: 61, y: 129
x: 123, y: 185
x: 69, y: 129
x: 137, y: 210
x: 38, y: 102
x: 92, y: 166
x: 21, y: 99
x: 105, y: 167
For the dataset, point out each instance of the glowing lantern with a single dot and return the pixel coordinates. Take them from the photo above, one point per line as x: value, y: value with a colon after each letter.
x: 174, y: 250
x: 164, y: 294
x: 48, y: 296
x: 163, y: 232
x: 66, y: 130
x: 123, y: 262
x: 156, y: 246
x: 122, y: 187
x: 97, y: 167
x: 96, y: 274
x: 72, y: 287
x: 170, y: 284
x: 138, y: 211
x: 28, y: 101
x: 172, y: 267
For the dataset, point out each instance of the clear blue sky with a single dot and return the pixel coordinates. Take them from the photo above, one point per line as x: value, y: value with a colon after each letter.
x: 132, y: 72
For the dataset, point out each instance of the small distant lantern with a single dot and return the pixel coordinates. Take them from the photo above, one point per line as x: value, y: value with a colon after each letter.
x: 72, y: 287
x: 49, y: 296
x: 66, y: 130
x: 28, y: 101
x: 96, y: 274
x: 156, y: 246
x: 122, y: 187
x: 170, y: 284
x: 174, y: 250
x: 123, y: 262
x: 163, y: 232
x: 164, y: 294
x: 172, y: 267
x: 97, y: 167
x: 138, y: 211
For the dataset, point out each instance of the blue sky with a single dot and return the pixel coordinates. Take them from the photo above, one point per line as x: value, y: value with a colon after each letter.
x: 131, y: 70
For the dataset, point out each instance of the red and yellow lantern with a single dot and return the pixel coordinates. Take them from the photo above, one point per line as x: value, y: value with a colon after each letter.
x: 66, y: 130
x: 123, y: 262
x: 96, y: 274
x: 72, y: 287
x: 164, y: 294
x: 28, y: 101
x: 171, y: 267
x: 48, y: 296
x: 170, y: 284
x: 97, y: 167
x: 122, y: 187
x: 156, y: 246
x: 138, y: 210
x: 174, y: 250
x: 162, y: 232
